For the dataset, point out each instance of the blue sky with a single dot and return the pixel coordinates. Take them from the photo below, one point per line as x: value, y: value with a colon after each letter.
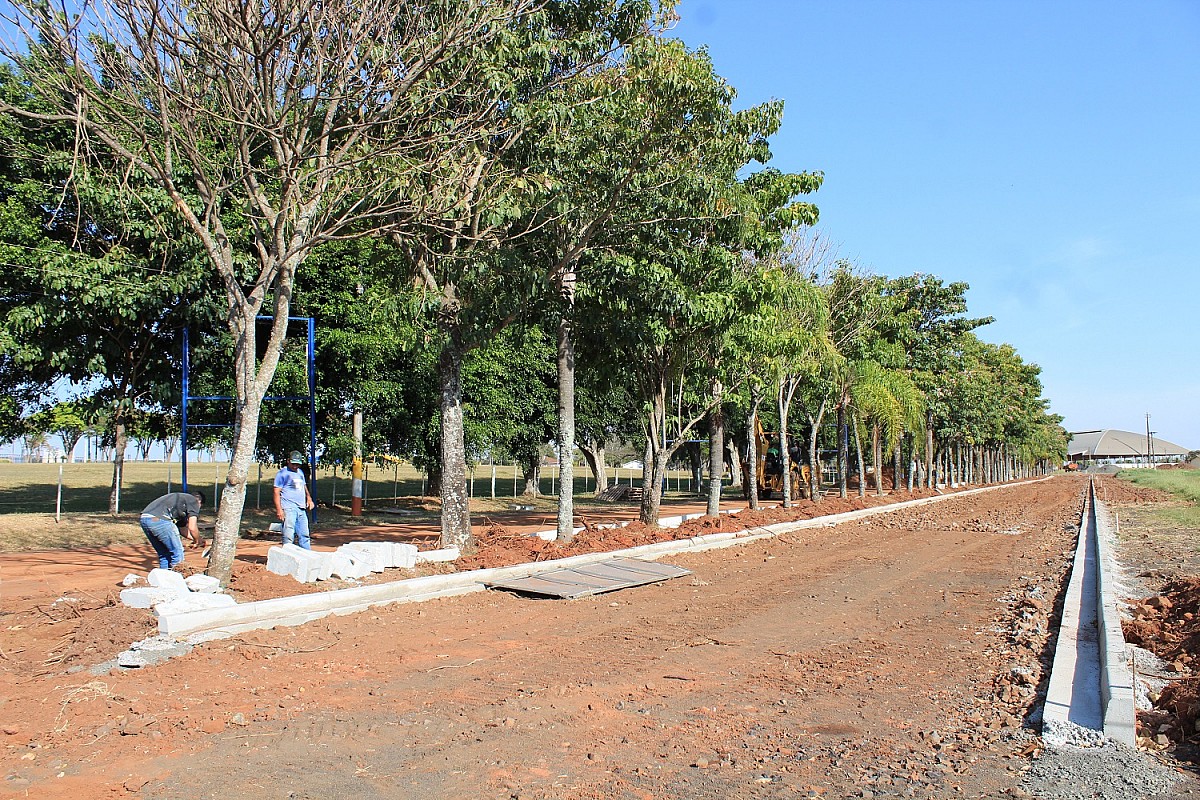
x: 1047, y: 153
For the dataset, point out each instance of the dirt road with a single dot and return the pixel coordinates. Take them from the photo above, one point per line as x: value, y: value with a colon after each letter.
x: 896, y: 656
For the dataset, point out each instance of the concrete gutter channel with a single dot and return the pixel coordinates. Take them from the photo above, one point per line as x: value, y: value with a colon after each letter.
x: 1090, y: 697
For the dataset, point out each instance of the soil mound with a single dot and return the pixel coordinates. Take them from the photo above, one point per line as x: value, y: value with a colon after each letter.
x: 1168, y: 625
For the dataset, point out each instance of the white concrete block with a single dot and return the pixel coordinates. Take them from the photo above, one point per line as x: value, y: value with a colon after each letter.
x: 206, y: 584
x: 167, y: 579
x: 194, y: 602
x: 346, y: 568
x: 284, y: 561
x: 445, y: 554
x: 369, y: 557
x: 320, y: 565
x: 305, y: 566
x: 404, y: 555
x: 148, y: 596
x: 131, y: 580
x: 381, y: 553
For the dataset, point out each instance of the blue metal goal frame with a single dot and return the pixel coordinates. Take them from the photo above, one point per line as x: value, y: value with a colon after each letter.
x: 311, y: 397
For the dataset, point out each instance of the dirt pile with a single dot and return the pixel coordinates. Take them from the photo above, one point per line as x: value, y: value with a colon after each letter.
x: 75, y: 631
x: 1168, y: 625
x: 499, y: 546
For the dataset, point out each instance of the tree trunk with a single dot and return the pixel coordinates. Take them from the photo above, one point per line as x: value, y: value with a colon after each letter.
x: 651, y: 489
x: 696, y: 466
x: 531, y: 472
x: 716, y: 450
x: 783, y: 406
x: 877, y: 458
x: 912, y: 461
x: 654, y: 461
x: 862, y: 475
x: 456, y: 506
x: 843, y: 446
x: 566, y: 429
x: 929, y: 449
x: 252, y: 378
x: 752, y: 454
x: 119, y: 441
x: 897, y: 464
x: 593, y: 453
x: 69, y: 443
x: 814, y: 457
x: 733, y: 459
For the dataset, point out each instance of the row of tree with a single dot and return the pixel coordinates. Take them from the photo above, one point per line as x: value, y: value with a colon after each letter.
x: 515, y: 221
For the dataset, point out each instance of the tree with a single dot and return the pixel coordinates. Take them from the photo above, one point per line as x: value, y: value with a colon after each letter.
x: 98, y: 287
x: 475, y: 282
x: 929, y: 319
x: 640, y: 130
x: 273, y: 129
x: 69, y: 420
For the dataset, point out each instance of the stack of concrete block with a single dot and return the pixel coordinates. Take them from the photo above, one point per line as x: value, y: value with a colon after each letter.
x: 170, y: 593
x: 305, y: 566
x: 382, y: 555
x: 349, y: 562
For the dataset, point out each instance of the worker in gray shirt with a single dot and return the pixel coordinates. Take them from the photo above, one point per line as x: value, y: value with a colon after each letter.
x: 160, y: 522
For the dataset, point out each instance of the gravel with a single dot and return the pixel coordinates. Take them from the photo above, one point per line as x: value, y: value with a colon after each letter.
x: 1108, y: 772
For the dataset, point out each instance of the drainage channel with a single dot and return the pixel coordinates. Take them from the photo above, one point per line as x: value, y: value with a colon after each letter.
x: 1090, y: 697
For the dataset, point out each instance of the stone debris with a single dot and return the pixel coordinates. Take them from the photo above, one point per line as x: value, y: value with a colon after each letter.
x: 205, y: 584
x: 131, y: 580
x: 171, y: 593
x: 153, y: 650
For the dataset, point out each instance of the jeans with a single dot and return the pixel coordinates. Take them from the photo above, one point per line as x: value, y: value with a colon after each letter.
x: 295, y: 526
x: 164, y: 538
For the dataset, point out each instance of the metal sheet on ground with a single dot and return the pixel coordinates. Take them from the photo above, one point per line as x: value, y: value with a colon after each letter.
x: 598, y: 578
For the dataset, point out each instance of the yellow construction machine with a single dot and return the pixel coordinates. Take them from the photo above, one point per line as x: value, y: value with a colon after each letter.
x: 770, y: 469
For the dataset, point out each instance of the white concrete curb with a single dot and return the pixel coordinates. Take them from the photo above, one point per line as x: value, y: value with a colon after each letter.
x: 1116, y: 678
x: 204, y: 625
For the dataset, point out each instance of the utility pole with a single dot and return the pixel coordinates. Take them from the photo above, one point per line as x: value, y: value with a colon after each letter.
x: 356, y: 490
x: 1148, y: 440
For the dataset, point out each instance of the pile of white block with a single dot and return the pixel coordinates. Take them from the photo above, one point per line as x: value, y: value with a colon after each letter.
x: 350, y: 561
x: 171, y: 593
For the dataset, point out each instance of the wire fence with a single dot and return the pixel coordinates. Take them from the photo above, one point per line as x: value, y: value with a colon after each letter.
x: 86, y: 487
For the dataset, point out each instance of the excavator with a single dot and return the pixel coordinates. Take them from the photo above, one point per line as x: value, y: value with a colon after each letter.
x: 770, y: 469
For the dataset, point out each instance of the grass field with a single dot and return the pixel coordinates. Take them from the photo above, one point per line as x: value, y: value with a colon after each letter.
x: 33, y: 488
x: 29, y: 497
x: 1182, y: 483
